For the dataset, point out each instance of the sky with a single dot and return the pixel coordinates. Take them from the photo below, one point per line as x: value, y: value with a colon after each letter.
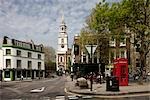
x: 39, y: 20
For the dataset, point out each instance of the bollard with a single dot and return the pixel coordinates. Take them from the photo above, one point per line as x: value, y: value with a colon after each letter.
x: 100, y: 79
x: 91, y: 81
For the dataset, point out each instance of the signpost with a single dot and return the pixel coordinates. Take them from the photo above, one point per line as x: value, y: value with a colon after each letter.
x: 91, y: 49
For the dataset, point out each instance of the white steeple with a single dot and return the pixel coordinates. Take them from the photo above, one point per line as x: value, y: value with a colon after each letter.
x: 62, y: 37
x: 63, y: 26
x: 62, y: 19
x: 62, y: 45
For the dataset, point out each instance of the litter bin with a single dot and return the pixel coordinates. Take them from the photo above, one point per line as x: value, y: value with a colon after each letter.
x: 115, y: 83
x: 112, y: 83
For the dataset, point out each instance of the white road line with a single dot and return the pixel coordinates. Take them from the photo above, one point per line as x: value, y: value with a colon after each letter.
x: 37, y: 90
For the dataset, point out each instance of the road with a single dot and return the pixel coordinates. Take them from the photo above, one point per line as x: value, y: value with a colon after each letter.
x: 21, y: 90
x: 54, y: 88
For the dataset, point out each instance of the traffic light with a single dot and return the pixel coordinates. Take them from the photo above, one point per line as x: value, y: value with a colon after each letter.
x: 76, y: 49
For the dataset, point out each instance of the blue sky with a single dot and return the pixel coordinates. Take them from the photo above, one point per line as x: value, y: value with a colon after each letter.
x: 39, y: 20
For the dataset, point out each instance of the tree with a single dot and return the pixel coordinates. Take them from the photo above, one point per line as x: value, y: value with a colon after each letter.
x: 97, y: 31
x: 133, y: 15
x: 49, y: 54
x: 49, y: 60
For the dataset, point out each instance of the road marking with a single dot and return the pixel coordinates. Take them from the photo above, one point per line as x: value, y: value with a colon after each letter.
x: 37, y: 90
x: 73, y: 97
x: 87, y: 97
x: 60, y: 98
x: 46, y: 98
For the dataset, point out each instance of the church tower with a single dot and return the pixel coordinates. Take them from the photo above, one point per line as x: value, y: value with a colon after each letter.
x: 62, y: 46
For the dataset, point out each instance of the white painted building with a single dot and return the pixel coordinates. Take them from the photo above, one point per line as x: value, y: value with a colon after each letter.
x: 62, y: 47
x: 21, y: 59
x: 1, y: 63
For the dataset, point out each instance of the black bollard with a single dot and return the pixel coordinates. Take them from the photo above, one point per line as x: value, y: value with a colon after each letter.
x: 91, y: 81
x: 100, y: 79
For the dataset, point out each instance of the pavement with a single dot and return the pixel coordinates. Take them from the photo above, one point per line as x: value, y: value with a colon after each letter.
x: 99, y: 90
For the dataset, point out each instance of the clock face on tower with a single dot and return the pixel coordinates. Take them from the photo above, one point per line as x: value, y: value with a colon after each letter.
x: 62, y: 46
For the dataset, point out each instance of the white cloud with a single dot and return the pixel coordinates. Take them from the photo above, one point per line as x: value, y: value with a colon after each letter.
x: 39, y: 19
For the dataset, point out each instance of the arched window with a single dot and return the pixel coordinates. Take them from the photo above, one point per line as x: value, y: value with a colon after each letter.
x: 61, y: 59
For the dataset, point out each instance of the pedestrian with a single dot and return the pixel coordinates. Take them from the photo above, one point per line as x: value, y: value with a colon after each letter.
x: 100, y: 78
x: 72, y: 76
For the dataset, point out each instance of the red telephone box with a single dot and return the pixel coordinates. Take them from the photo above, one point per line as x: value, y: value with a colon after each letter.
x: 120, y: 70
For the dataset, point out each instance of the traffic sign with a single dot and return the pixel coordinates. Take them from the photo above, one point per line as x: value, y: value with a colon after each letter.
x: 91, y: 48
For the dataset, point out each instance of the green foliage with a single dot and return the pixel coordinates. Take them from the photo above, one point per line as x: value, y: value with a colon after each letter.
x: 50, y: 66
x: 106, y: 19
x: 49, y: 59
x: 49, y: 54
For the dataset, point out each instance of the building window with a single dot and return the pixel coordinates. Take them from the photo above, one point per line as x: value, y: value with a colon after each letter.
x: 29, y: 73
x: 112, y: 39
x: 8, y: 63
x: 122, y: 54
x: 123, y: 40
x: 29, y: 64
x: 18, y: 53
x: 39, y: 65
x: 84, y: 59
x: 8, y: 51
x: 18, y: 63
x: 7, y: 74
x: 29, y: 55
x: 39, y: 56
x: 61, y: 59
